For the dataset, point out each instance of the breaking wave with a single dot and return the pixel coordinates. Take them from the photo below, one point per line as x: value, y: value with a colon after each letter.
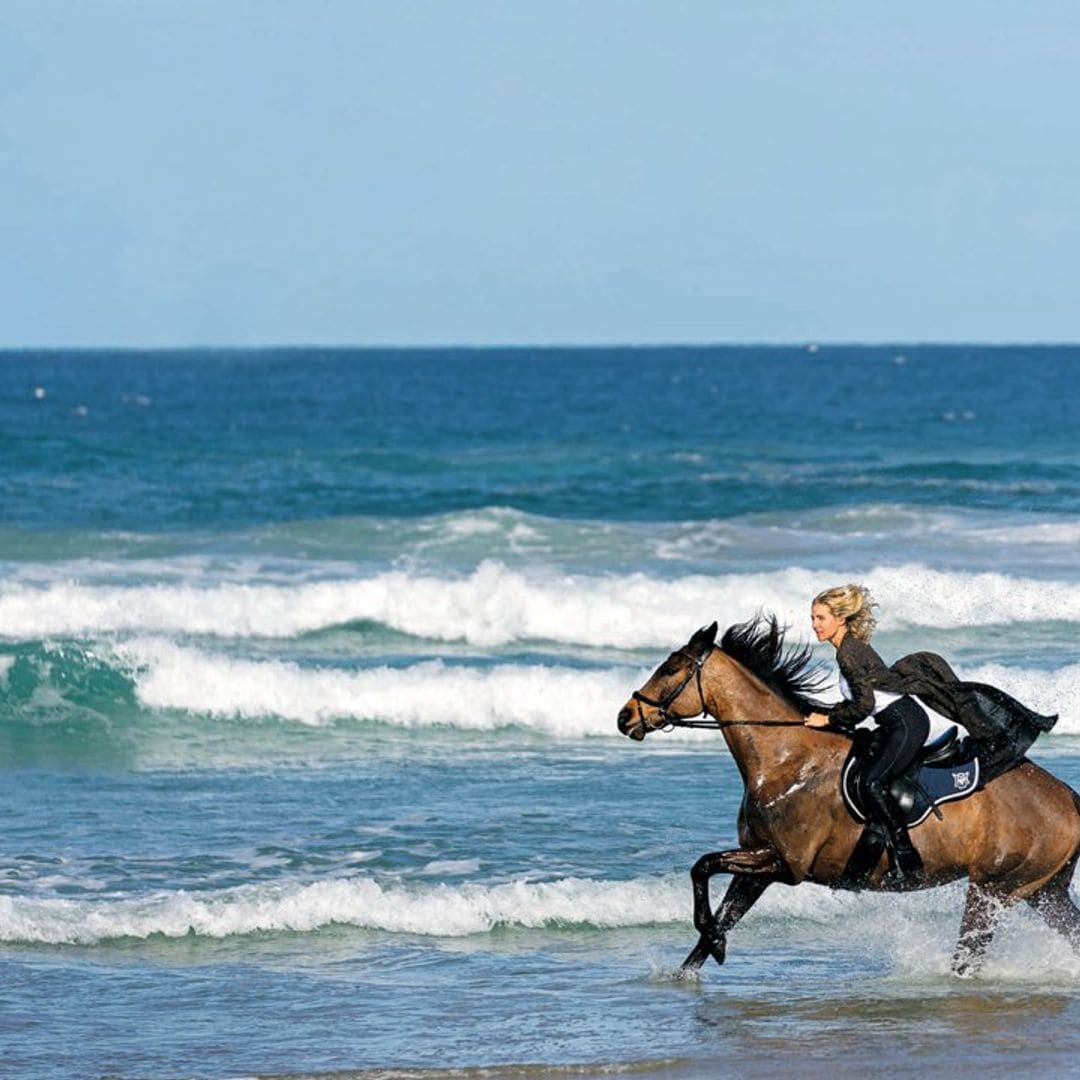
x: 495, y: 605
x: 555, y: 700
x: 917, y: 931
x: 435, y: 910
x: 545, y: 698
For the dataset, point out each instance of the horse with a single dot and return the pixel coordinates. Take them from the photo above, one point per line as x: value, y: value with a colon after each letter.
x: 1016, y: 839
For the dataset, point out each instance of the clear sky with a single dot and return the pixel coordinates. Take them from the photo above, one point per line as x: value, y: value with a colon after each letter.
x: 626, y: 171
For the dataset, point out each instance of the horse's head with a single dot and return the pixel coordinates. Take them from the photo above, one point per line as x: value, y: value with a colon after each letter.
x: 674, y: 690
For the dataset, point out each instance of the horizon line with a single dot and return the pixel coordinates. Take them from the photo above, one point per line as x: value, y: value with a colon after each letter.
x: 808, y: 345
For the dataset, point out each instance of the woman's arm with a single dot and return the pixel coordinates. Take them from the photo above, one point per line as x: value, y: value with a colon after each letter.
x: 846, y: 715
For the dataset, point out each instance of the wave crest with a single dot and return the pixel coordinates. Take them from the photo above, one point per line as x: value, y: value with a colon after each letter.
x: 437, y: 911
x: 554, y: 700
x: 495, y: 605
x: 560, y: 701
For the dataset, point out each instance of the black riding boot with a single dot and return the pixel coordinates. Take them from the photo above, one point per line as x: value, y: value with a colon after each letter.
x: 905, y: 864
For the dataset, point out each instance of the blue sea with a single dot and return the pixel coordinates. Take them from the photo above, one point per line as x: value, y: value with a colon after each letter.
x: 310, y: 662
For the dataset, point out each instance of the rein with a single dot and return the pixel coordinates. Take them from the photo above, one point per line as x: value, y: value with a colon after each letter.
x: 705, y: 721
x: 712, y: 724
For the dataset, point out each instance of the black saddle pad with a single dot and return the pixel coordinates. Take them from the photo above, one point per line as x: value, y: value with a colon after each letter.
x: 946, y: 770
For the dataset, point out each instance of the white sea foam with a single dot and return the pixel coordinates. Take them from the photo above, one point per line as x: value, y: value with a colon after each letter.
x: 555, y: 700
x: 917, y: 932
x: 495, y: 605
x: 434, y: 910
x: 437, y: 910
x: 450, y: 867
x: 1062, y: 533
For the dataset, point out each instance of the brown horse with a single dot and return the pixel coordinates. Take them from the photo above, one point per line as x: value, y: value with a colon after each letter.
x: 1016, y: 839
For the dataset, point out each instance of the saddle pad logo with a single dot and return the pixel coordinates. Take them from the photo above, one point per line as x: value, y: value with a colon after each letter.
x: 961, y: 780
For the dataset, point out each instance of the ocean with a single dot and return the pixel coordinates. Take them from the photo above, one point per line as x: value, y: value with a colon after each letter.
x: 310, y: 661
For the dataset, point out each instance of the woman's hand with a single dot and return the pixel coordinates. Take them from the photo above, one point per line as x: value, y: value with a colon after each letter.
x: 816, y: 719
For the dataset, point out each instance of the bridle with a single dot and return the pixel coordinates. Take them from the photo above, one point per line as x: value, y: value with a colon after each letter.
x: 703, y: 719
x: 665, y: 703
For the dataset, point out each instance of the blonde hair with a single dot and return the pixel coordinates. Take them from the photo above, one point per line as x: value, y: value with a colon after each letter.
x: 853, y: 604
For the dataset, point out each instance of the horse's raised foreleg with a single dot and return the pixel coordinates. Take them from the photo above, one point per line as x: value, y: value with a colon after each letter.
x: 1056, y: 906
x: 743, y: 892
x: 754, y: 869
x: 982, y: 909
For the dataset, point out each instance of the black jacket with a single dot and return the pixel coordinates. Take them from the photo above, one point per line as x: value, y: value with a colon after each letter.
x: 1003, y: 726
x: 864, y: 671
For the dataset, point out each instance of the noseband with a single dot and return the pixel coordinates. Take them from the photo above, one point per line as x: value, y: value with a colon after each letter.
x: 670, y: 697
x: 705, y: 720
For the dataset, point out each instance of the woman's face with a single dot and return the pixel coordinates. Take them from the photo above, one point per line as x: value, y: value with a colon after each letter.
x: 824, y: 623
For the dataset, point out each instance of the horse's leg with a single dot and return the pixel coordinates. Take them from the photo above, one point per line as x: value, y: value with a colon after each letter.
x: 754, y: 869
x: 1056, y: 906
x: 749, y: 862
x: 742, y: 893
x: 982, y: 909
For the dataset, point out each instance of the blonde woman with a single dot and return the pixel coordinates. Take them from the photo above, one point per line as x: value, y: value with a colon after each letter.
x: 843, y: 616
x: 1003, y: 729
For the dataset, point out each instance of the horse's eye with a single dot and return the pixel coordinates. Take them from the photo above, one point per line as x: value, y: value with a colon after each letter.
x: 669, y: 668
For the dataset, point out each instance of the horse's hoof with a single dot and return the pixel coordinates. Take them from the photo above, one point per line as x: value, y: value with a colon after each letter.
x: 898, y: 881
x: 693, y: 962
x: 963, y: 968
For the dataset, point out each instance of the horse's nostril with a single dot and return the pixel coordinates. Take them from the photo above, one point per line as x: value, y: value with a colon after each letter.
x: 624, y: 718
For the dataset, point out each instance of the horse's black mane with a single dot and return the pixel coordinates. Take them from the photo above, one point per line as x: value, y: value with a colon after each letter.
x: 792, y: 673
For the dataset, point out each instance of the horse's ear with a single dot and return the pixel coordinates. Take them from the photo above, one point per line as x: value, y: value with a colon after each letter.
x: 704, y: 639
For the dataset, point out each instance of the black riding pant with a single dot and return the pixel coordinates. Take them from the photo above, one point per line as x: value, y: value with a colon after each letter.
x: 902, y: 729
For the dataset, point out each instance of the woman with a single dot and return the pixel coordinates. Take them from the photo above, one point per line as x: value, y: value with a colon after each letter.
x: 843, y: 617
x: 1002, y: 728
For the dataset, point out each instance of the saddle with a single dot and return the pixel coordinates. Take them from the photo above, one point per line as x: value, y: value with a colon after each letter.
x: 945, y: 770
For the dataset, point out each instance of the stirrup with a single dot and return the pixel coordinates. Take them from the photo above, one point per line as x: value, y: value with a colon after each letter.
x: 905, y: 868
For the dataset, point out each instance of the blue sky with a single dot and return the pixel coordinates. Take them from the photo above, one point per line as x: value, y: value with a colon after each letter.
x: 600, y: 171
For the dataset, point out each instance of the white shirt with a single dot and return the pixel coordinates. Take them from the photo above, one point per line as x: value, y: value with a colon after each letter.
x: 882, y: 699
